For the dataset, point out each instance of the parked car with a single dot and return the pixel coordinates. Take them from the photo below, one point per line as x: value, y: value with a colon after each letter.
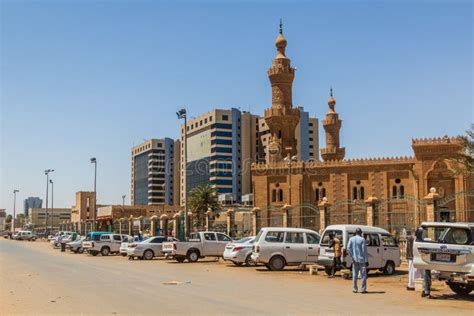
x: 56, y: 242
x: 60, y: 233
x: 149, y: 248
x: 277, y: 247
x: 76, y: 245
x: 448, y: 250
x: 132, y: 239
x: 24, y: 235
x: 200, y: 245
x: 69, y: 237
x: 240, y: 252
x: 382, y: 248
x: 104, y: 243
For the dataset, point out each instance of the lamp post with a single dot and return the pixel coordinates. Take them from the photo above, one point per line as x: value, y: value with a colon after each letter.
x: 289, y: 161
x: 94, y: 161
x: 182, y: 115
x: 14, y: 211
x: 52, y: 203
x: 47, y: 172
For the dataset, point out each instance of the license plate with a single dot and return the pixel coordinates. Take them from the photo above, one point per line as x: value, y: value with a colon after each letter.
x: 443, y: 257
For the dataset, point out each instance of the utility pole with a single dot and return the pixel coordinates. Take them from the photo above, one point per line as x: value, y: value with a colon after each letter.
x: 14, y: 211
x: 47, y: 172
x: 182, y: 115
x: 94, y: 161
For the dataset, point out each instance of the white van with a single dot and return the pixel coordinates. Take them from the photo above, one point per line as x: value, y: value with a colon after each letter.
x: 24, y: 235
x: 277, y: 247
x: 384, y: 252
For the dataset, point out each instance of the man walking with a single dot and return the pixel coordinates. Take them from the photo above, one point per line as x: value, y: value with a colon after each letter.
x: 335, y: 243
x: 357, y: 249
x: 411, y: 268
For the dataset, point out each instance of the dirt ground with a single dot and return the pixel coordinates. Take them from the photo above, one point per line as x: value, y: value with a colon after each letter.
x: 38, y: 280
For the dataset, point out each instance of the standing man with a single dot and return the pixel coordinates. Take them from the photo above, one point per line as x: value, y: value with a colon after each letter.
x: 335, y: 243
x: 357, y: 249
x: 411, y: 268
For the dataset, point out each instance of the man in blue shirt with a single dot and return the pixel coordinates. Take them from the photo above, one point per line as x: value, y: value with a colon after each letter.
x: 357, y: 249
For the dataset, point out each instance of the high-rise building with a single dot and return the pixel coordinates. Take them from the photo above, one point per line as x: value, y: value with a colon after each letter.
x: 152, y: 172
x: 222, y: 144
x: 31, y: 202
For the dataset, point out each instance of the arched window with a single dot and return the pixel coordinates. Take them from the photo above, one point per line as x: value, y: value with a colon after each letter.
x: 274, y: 195
x: 394, y: 192
x: 324, y: 193
x: 402, y: 192
x: 279, y: 134
x: 280, y: 195
x: 317, y: 194
x: 354, y: 193
x: 361, y: 193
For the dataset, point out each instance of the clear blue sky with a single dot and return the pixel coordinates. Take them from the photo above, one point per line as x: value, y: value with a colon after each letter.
x: 93, y: 78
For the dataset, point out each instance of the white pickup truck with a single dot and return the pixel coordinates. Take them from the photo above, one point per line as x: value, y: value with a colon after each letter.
x: 447, y: 249
x: 104, y: 244
x: 200, y: 245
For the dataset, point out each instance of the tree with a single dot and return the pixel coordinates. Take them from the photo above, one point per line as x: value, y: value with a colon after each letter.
x: 464, y: 161
x: 8, y: 222
x: 201, y: 199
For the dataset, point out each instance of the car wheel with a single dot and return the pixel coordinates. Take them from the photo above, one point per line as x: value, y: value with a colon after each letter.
x: 105, y: 251
x: 80, y: 250
x: 180, y: 259
x: 460, y: 288
x: 148, y: 254
x: 193, y: 256
x: 389, y: 268
x: 94, y: 253
x: 277, y: 263
x: 328, y: 270
x: 249, y: 261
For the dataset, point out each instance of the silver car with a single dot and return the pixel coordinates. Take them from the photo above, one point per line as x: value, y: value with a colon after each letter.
x: 147, y: 249
x: 240, y: 251
x: 76, y: 245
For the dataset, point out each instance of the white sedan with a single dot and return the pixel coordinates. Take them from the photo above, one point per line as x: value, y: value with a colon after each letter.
x: 240, y: 251
x: 148, y: 249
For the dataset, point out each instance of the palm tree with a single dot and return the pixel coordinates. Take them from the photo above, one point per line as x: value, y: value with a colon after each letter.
x: 201, y: 199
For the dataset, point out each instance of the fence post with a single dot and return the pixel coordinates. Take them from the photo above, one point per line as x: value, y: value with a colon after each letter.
x: 370, y: 203
x: 130, y: 225
x: 176, y: 224
x: 285, y: 210
x: 208, y: 218
x: 324, y: 219
x: 255, y: 212
x: 431, y: 209
x: 164, y: 224
x: 230, y: 221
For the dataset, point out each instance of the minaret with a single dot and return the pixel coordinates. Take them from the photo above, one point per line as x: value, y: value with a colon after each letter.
x: 281, y: 118
x: 332, y: 125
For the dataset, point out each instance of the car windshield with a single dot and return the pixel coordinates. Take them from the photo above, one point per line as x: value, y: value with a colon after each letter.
x: 245, y: 240
x: 259, y: 235
x: 447, y: 235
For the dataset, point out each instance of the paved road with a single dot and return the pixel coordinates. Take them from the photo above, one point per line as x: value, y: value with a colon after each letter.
x: 35, y: 279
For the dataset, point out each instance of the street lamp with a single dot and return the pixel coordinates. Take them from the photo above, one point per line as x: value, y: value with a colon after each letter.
x: 182, y: 115
x: 14, y: 210
x: 94, y: 161
x: 47, y: 172
x: 52, y: 203
x: 289, y: 161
